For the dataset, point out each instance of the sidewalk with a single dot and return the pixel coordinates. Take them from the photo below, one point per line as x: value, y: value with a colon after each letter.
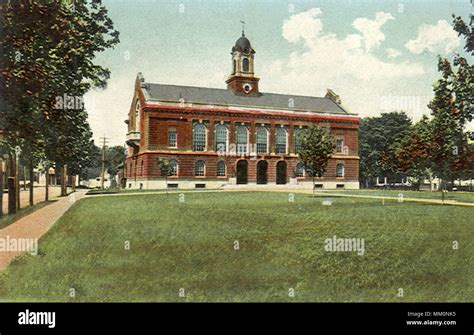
x: 38, y: 196
x: 35, y: 225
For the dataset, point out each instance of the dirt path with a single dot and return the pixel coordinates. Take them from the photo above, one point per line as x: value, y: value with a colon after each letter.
x: 38, y: 196
x: 33, y: 226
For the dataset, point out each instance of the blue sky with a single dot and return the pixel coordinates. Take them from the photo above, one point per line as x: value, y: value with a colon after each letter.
x: 377, y: 55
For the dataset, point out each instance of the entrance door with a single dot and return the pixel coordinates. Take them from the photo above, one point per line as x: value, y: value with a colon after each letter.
x: 262, y: 168
x: 242, y: 167
x: 281, y: 172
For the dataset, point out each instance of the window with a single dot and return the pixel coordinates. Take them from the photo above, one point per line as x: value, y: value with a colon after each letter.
x: 235, y: 67
x: 245, y: 65
x: 280, y: 147
x: 221, y: 169
x: 199, y: 168
x: 174, y: 167
x: 262, y: 140
x: 339, y: 145
x: 221, y: 138
x: 172, y: 137
x: 340, y: 170
x: 297, y: 142
x: 299, y: 171
x: 242, y: 136
x: 137, y: 116
x: 199, y: 137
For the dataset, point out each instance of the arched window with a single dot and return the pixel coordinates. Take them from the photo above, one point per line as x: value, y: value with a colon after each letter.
x: 340, y: 170
x: 172, y: 138
x: 297, y: 142
x: 262, y: 140
x: 299, y: 171
x: 137, y: 116
x: 221, y: 138
x: 199, y: 137
x: 242, y: 138
x: 245, y: 65
x: 235, y: 67
x: 280, y: 147
x: 174, y: 167
x: 199, y: 168
x: 221, y: 169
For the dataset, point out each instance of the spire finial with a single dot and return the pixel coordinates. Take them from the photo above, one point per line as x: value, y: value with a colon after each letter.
x: 243, y: 27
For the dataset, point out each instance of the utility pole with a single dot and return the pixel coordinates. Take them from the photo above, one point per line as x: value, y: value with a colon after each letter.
x: 102, y: 170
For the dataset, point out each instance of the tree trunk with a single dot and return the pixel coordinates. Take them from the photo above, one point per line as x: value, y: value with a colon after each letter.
x: 73, y: 182
x: 46, y: 186
x: 63, y: 184
x: 11, y: 186
x: 17, y: 183
x: 24, y: 177
x: 1, y: 187
x: 31, y: 181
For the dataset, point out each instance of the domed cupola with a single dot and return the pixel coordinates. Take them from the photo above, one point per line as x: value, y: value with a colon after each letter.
x: 243, y: 45
x: 242, y: 79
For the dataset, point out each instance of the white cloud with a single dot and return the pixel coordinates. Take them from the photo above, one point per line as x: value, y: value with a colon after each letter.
x: 370, y: 29
x: 393, y: 53
x: 434, y: 38
x: 304, y: 26
x: 346, y: 64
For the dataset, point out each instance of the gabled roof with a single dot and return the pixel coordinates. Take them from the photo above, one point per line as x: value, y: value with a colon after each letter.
x: 224, y: 97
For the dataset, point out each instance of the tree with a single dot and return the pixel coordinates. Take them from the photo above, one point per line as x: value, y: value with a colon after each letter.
x: 49, y: 48
x: 463, y: 83
x: 448, y: 140
x: 413, y: 154
x: 114, y: 157
x: 379, y: 138
x: 165, y: 168
x: 317, y: 146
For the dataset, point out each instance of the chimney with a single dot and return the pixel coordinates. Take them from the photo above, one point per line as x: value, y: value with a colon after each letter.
x: 333, y: 96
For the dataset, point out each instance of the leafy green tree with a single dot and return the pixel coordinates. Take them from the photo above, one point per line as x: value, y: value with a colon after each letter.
x: 414, y: 152
x: 463, y: 83
x: 114, y: 157
x: 449, y: 142
x: 379, y: 139
x: 165, y: 168
x: 317, y: 146
x: 50, y: 49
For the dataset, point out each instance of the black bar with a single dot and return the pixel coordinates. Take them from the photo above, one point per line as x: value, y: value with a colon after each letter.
x: 369, y: 316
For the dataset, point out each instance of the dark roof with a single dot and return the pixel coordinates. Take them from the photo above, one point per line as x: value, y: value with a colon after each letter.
x: 214, y: 96
x: 243, y: 44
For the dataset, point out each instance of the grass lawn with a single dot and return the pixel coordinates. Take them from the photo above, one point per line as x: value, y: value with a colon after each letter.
x: 190, y: 245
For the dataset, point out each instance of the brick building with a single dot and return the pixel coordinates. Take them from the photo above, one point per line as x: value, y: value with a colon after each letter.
x: 237, y: 135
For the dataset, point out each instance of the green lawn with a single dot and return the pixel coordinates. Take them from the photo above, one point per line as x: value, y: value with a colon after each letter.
x: 190, y: 245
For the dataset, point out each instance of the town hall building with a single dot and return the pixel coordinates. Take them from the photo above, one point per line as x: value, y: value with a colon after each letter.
x: 238, y: 135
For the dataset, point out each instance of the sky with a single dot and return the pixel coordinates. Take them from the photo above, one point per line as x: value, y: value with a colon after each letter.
x: 378, y: 55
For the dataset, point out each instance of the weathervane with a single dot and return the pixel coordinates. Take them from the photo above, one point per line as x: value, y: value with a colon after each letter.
x: 243, y: 26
